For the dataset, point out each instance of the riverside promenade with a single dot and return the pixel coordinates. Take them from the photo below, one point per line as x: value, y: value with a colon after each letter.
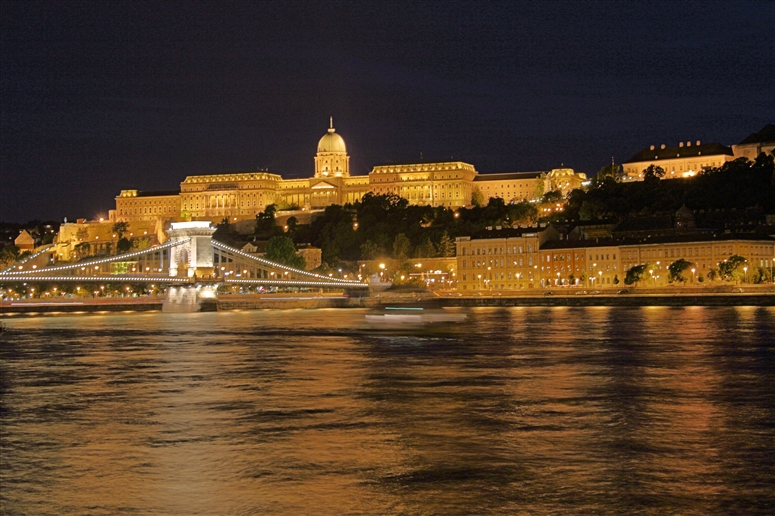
x: 754, y: 295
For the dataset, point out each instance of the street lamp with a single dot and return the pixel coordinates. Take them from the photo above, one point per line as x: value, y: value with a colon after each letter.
x: 745, y: 274
x: 693, y: 279
x: 600, y: 273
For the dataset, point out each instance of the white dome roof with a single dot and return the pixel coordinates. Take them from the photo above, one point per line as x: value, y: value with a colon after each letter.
x: 331, y: 142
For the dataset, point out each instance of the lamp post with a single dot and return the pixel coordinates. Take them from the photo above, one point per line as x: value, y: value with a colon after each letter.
x: 745, y: 274
x: 600, y: 273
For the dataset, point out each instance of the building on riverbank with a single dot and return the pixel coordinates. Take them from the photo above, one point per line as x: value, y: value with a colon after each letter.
x: 504, y: 259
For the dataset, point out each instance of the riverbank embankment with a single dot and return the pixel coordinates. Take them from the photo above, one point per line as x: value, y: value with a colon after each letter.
x: 758, y: 297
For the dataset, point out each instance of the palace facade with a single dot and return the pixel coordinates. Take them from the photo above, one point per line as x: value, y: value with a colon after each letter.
x: 242, y: 195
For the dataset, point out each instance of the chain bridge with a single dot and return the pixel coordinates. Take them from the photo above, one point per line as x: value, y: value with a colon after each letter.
x: 190, y: 261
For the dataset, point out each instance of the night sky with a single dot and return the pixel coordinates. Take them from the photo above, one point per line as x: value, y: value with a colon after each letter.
x: 96, y: 97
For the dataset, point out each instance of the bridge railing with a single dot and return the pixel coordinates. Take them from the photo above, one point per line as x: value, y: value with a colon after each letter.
x: 266, y: 263
x: 87, y: 263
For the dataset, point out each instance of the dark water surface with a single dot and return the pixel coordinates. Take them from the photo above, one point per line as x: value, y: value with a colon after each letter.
x: 518, y: 411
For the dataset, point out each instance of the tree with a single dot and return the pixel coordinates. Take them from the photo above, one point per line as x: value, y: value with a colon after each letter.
x: 677, y: 269
x: 732, y: 267
x: 141, y: 243
x: 83, y: 249
x: 653, y: 173
x: 265, y: 222
x: 401, y: 247
x: 611, y: 171
x: 280, y: 249
x: 123, y: 246
x: 292, y: 222
x: 369, y: 250
x: 635, y: 274
x: 552, y: 196
x: 477, y: 198
x: 8, y: 255
x: 119, y: 228
x: 425, y: 249
x: 446, y: 247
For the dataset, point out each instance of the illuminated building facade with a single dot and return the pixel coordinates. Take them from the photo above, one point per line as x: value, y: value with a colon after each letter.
x: 756, y: 143
x: 242, y: 195
x: 507, y: 259
x: 501, y: 258
x: 683, y: 160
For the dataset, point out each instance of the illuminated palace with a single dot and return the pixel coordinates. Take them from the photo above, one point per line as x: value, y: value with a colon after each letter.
x: 242, y: 195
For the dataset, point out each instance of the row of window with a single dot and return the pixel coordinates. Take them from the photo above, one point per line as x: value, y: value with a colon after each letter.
x: 498, y: 263
x: 519, y: 249
x: 147, y: 210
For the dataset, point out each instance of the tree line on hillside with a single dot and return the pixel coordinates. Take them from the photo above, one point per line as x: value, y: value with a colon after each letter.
x: 388, y: 227
x: 737, y: 185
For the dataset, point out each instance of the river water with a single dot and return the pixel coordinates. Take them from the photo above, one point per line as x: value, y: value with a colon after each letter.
x: 516, y: 411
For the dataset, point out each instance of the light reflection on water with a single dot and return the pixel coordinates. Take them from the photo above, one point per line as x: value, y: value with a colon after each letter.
x: 518, y: 410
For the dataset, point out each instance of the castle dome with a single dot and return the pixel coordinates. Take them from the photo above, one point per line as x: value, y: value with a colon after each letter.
x: 331, y: 142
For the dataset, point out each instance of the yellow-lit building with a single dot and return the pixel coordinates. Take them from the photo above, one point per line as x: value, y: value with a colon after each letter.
x: 683, y: 160
x: 705, y: 252
x: 756, y: 143
x: 134, y: 205
x: 501, y: 258
x: 242, y: 195
x: 507, y: 259
x: 101, y: 238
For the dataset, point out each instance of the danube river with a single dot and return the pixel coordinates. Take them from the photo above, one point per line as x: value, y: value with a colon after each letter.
x: 515, y: 411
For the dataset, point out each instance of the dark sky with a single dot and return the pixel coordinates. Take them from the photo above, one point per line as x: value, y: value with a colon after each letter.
x: 96, y: 97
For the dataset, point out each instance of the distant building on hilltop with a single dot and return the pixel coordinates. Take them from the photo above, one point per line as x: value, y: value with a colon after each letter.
x: 756, y: 143
x: 682, y: 160
x: 24, y: 241
x: 242, y: 195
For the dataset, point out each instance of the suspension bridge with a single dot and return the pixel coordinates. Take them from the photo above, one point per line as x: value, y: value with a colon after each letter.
x: 190, y: 261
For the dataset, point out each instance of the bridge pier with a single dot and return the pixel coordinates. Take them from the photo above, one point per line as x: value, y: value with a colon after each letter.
x: 194, y: 257
x: 189, y: 298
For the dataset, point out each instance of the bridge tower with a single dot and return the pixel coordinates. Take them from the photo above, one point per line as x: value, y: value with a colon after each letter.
x: 194, y: 257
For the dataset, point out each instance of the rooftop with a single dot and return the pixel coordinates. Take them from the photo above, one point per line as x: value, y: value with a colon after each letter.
x: 767, y: 134
x: 156, y: 193
x: 686, y: 151
x: 668, y: 239
x: 508, y: 175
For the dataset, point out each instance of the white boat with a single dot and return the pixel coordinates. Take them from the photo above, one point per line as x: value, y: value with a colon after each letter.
x: 413, y: 318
